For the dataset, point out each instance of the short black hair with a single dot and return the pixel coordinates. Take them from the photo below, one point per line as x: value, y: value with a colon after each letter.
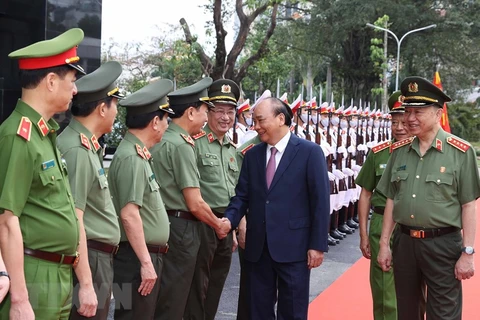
x: 85, y: 109
x: 179, y: 109
x: 281, y: 107
x: 29, y: 79
x: 141, y: 121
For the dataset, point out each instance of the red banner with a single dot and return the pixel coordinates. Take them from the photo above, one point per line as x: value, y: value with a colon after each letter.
x: 444, y: 120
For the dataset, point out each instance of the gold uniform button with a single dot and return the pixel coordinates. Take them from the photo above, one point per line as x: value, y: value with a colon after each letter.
x: 421, y: 159
x: 438, y: 180
x: 413, y: 196
x: 53, y: 178
x: 412, y: 216
x: 418, y: 177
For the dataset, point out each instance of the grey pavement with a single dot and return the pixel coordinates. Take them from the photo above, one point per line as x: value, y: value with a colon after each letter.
x: 336, y: 262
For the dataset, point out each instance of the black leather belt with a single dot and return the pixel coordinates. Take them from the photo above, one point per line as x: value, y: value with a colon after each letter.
x: 182, y: 214
x: 218, y: 214
x: 100, y: 246
x: 420, y: 233
x: 379, y: 210
x: 52, y: 257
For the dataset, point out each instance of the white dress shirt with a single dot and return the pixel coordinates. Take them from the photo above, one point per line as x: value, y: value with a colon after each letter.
x: 280, y: 146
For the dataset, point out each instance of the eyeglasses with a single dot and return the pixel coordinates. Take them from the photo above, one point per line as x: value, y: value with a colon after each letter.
x: 220, y: 113
x: 397, y: 123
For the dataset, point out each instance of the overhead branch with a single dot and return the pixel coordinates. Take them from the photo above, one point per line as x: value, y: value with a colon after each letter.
x: 220, y: 51
x: 204, y: 59
x: 262, y: 50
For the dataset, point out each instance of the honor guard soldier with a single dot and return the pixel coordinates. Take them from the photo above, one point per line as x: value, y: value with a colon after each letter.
x: 433, y: 181
x: 381, y: 283
x: 94, y: 109
x: 174, y: 160
x: 244, y: 122
x: 39, y: 232
x: 144, y: 223
x: 218, y: 168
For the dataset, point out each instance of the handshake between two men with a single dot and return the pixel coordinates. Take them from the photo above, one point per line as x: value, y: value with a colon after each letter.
x: 223, y: 228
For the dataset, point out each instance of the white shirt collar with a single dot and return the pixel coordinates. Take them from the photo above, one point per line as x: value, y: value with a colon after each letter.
x: 282, y: 144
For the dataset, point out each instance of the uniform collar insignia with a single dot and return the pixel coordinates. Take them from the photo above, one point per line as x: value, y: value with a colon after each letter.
x: 42, y: 125
x: 188, y: 139
x: 25, y: 128
x: 439, y: 145
x: 147, y: 153
x: 140, y: 151
x: 210, y: 137
x: 95, y: 143
x: 84, y: 141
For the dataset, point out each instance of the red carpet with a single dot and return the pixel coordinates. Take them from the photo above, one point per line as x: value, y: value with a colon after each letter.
x: 349, y: 296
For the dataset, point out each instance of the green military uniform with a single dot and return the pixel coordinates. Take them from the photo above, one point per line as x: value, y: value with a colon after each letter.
x: 242, y: 306
x: 174, y: 160
x: 381, y: 283
x: 88, y: 181
x: 34, y: 187
x: 217, y: 164
x: 132, y: 180
x: 428, y: 192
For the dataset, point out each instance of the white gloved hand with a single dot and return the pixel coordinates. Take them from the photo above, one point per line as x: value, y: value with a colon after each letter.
x: 331, y: 176
x: 348, y: 172
x: 351, y: 149
x: 369, y: 144
x: 356, y: 168
x: 325, y: 151
x: 338, y: 174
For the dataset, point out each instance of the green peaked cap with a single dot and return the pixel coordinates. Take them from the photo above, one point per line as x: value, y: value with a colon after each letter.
x: 61, y: 50
x: 224, y: 91
x: 191, y: 94
x: 99, y: 84
x: 395, y: 103
x: 150, y: 98
x: 419, y: 92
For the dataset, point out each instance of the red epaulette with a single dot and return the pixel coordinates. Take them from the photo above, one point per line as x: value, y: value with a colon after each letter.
x: 381, y: 146
x: 42, y: 125
x: 25, y: 128
x: 199, y: 135
x: 188, y: 139
x: 401, y: 143
x: 147, y: 153
x: 140, y: 151
x: 244, y: 150
x: 84, y: 141
x: 457, y: 143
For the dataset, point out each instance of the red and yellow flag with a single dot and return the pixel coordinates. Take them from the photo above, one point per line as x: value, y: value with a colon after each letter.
x: 444, y: 120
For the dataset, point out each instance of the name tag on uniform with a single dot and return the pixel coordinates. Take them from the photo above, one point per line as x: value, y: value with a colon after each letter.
x: 402, y: 168
x: 48, y: 164
x: 383, y: 165
x: 101, y: 171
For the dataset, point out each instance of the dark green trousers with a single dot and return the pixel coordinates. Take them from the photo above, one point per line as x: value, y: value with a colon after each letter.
x: 129, y: 303
x: 101, y: 266
x: 178, y: 268
x: 211, y: 270
x: 49, y: 288
x: 427, y: 263
x: 381, y: 283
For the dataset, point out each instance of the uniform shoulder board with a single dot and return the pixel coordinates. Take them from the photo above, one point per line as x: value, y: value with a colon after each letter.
x: 199, y: 135
x: 458, y: 143
x: 140, y: 151
x: 244, y: 150
x: 85, y: 142
x: 402, y: 143
x: 25, y: 128
x: 188, y: 139
x: 381, y: 146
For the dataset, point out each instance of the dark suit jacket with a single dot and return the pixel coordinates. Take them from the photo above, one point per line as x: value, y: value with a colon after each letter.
x: 293, y: 215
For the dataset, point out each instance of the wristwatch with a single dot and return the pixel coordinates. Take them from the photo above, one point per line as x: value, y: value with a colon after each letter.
x: 4, y: 274
x: 468, y: 250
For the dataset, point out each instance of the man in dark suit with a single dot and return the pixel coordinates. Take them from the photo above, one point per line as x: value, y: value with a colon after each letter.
x: 284, y: 185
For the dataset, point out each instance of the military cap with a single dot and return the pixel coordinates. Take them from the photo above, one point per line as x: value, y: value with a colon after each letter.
x: 266, y: 94
x: 99, y: 84
x: 244, y: 106
x: 395, y: 103
x: 150, y: 98
x: 224, y: 91
x: 192, y: 94
x: 419, y: 92
x: 61, y: 50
